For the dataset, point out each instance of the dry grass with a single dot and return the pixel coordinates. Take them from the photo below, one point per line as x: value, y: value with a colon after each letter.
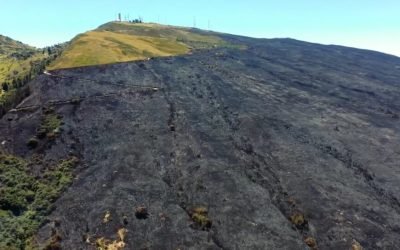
x: 108, y: 244
x: 311, y: 242
x: 355, y: 245
x: 107, y: 217
x: 298, y: 219
x: 200, y: 217
x: 103, y: 47
x: 122, y: 42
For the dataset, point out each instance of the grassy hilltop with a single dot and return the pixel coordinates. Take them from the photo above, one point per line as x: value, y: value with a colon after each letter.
x: 123, y: 41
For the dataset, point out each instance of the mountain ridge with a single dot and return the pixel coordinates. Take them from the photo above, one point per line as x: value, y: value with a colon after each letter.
x: 11, y: 44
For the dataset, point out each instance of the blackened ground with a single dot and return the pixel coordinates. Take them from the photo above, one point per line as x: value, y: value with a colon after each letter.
x: 263, y: 138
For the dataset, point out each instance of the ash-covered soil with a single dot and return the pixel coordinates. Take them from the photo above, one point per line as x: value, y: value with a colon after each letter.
x: 276, y: 146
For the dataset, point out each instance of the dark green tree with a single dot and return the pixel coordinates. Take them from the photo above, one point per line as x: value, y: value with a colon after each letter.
x: 4, y: 86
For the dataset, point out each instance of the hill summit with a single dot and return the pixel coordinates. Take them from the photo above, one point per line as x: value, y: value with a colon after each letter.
x: 123, y: 41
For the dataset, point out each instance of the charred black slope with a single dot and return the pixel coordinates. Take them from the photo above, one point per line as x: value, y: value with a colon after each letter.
x: 265, y: 148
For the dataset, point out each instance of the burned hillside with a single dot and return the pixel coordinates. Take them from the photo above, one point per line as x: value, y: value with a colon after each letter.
x: 280, y: 144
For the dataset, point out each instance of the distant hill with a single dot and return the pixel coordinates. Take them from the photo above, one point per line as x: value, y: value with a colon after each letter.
x: 8, y: 45
x: 15, y: 57
x: 123, y: 41
x: 19, y: 63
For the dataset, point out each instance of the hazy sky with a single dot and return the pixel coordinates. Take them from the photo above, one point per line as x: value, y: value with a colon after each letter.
x: 370, y: 24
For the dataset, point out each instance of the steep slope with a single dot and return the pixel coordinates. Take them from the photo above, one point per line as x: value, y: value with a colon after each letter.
x: 12, y: 58
x: 8, y: 45
x: 123, y: 41
x: 19, y: 63
x: 279, y: 146
x: 17, y: 60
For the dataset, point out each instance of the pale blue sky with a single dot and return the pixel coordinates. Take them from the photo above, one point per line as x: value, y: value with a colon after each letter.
x: 370, y: 24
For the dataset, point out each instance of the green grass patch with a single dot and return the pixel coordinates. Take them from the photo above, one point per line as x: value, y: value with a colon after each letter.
x: 50, y: 125
x: 200, y: 217
x: 7, y: 96
x: 121, y: 42
x: 25, y: 200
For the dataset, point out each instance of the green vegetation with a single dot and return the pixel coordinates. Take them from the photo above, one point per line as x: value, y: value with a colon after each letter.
x: 128, y: 41
x: 50, y: 125
x: 26, y: 199
x: 199, y: 215
x: 12, y: 96
x: 49, y: 128
x: 298, y: 219
x: 19, y: 63
x: 33, y: 143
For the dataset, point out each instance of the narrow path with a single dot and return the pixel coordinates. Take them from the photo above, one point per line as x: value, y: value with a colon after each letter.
x: 136, y: 87
x: 155, y: 88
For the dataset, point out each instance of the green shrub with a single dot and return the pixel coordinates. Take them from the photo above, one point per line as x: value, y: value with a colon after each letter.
x: 199, y: 215
x: 298, y: 219
x: 33, y: 143
x: 26, y: 200
x: 50, y: 125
